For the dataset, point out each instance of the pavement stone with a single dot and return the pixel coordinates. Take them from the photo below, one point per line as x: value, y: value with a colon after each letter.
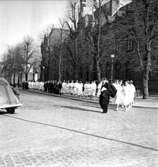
x: 71, y: 149
x: 73, y: 157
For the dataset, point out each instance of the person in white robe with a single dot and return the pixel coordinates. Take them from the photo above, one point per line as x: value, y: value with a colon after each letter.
x: 75, y: 88
x: 80, y: 88
x: 86, y: 89
x: 99, y: 89
x: 119, y: 99
x: 133, y: 92
x: 71, y: 87
x: 94, y: 88
x: 127, y: 95
x: 63, y: 88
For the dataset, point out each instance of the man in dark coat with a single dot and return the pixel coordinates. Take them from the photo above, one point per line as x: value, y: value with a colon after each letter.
x: 106, y: 92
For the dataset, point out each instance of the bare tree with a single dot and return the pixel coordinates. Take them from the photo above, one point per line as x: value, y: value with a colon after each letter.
x: 30, y: 55
x: 73, y: 28
x: 62, y: 24
x: 7, y: 62
x: 13, y: 63
x: 46, y: 50
x: 141, y: 25
x: 95, y: 35
x: 98, y: 41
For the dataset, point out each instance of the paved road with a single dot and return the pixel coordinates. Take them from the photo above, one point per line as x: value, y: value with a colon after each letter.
x: 56, y: 132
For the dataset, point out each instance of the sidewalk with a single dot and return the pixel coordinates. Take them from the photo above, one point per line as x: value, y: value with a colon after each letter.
x: 151, y: 102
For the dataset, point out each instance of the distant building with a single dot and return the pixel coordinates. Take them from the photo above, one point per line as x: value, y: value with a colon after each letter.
x: 50, y: 53
x: 109, y: 8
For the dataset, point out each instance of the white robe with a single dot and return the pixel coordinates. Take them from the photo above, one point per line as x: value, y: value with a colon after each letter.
x: 119, y: 100
x: 127, y: 93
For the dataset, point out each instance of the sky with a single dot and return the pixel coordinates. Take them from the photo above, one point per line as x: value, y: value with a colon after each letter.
x: 20, y: 18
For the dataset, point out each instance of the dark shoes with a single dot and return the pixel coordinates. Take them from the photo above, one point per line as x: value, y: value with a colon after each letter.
x: 104, y: 112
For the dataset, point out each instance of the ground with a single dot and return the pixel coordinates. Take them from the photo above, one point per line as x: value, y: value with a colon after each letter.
x: 58, y: 132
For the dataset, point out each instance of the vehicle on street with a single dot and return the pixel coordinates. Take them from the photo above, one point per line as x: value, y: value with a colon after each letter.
x: 8, y: 98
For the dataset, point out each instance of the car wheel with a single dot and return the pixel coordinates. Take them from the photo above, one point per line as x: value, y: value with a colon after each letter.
x: 11, y: 110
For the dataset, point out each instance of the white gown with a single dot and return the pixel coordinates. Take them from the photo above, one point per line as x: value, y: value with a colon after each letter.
x: 127, y: 97
x: 99, y: 89
x: 119, y: 95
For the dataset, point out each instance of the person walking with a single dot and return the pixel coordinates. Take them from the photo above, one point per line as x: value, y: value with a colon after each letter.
x: 119, y: 100
x: 107, y: 90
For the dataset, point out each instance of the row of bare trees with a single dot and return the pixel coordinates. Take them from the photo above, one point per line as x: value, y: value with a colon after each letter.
x: 18, y: 60
x: 80, y: 49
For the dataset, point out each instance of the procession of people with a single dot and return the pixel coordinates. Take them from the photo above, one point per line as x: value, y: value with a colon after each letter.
x: 123, y: 93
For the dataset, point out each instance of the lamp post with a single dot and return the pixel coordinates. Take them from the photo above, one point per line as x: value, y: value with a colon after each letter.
x: 112, y: 66
x: 43, y: 73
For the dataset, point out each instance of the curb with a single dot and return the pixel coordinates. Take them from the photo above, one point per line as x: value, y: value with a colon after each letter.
x: 81, y: 98
x: 63, y: 96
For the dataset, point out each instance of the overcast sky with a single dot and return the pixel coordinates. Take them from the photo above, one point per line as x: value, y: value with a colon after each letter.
x: 19, y: 18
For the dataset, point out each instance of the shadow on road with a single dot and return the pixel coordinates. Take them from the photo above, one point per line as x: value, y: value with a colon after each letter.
x: 98, y: 109
x: 3, y: 112
x: 81, y: 109
x: 83, y: 133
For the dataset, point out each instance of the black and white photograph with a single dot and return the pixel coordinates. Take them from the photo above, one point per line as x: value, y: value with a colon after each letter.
x: 78, y: 83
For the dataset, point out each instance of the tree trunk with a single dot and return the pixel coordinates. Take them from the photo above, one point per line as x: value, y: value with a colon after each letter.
x: 147, y: 65
x: 60, y: 59
x: 76, y: 70
x: 145, y: 84
x: 98, y: 45
x: 147, y: 70
x: 98, y: 70
x: 26, y: 77
x: 14, y: 78
x: 76, y: 66
x: 48, y: 69
x: 18, y: 80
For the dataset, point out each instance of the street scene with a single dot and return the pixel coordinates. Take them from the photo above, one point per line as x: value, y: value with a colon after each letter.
x: 79, y: 83
x: 56, y: 131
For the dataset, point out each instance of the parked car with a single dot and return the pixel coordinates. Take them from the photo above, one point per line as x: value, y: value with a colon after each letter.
x: 8, y: 98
